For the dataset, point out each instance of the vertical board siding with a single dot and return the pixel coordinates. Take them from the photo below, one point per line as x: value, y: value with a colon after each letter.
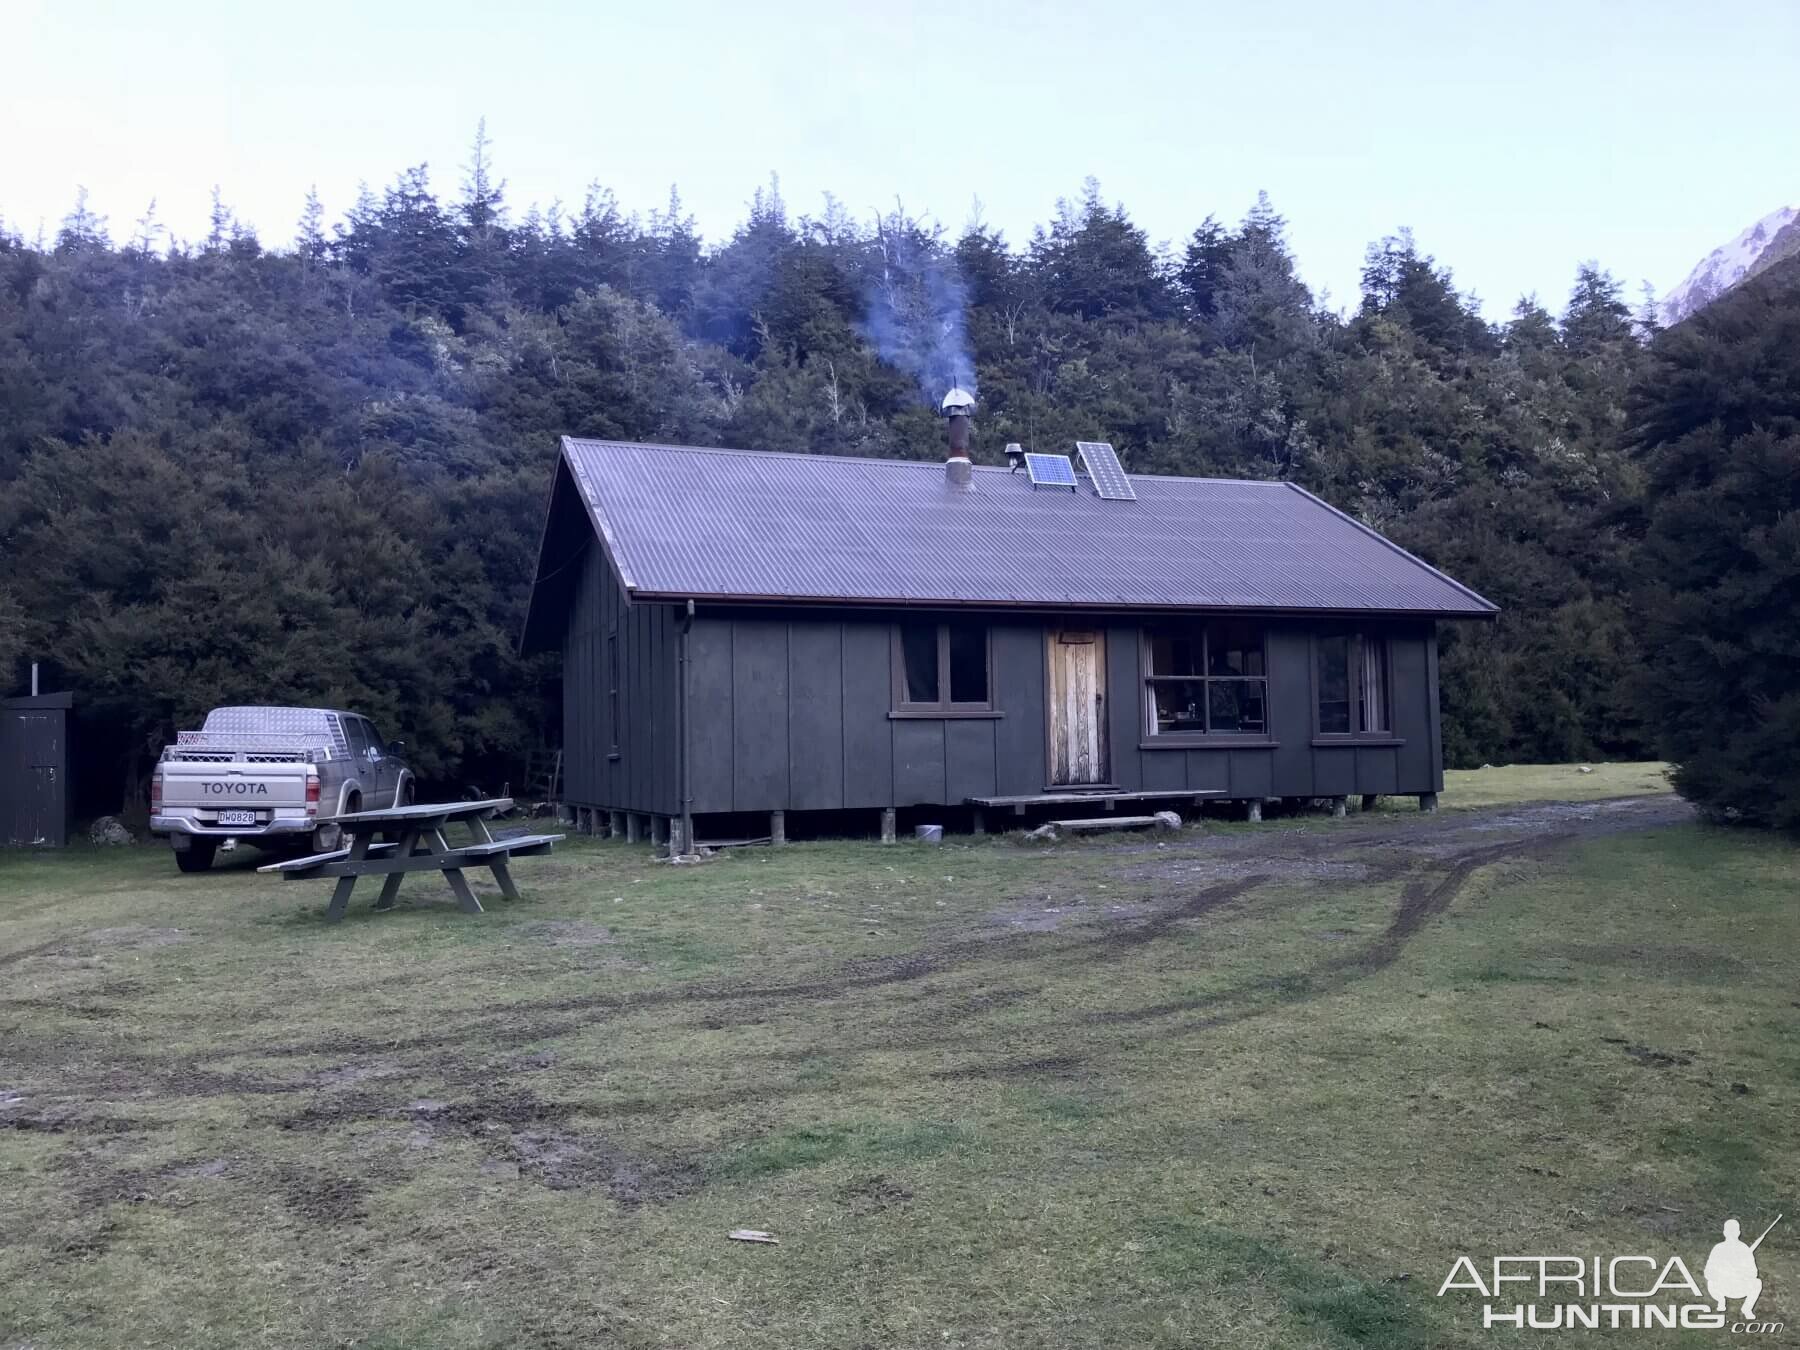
x: 633, y: 715
x: 918, y: 762
x: 1019, y: 735
x: 792, y: 712
x: 815, y: 716
x: 1251, y: 774
x: 34, y: 805
x: 1408, y: 668
x: 646, y: 774
x: 1163, y: 770
x: 759, y: 691
x: 1124, y: 708
x: 712, y: 714
x: 1436, y: 735
x: 968, y: 758
x: 581, y: 771
x: 1334, y: 771
x: 1291, y: 711
x: 1207, y: 770
x: 1378, y: 769
x: 868, y: 741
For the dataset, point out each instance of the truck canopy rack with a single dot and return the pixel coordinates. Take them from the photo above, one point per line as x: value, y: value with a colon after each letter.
x: 227, y: 747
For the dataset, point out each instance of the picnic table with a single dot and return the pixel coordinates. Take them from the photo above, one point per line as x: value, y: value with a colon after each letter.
x: 419, y: 845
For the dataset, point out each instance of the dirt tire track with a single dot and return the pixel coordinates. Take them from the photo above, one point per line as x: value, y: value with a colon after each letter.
x: 1098, y: 938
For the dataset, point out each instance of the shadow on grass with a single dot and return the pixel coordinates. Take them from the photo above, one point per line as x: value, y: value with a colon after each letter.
x: 1354, y: 1311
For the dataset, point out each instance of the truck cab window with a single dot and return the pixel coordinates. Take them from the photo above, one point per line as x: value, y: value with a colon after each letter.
x: 356, y: 732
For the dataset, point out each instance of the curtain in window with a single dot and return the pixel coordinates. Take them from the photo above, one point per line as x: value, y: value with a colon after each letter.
x: 1374, y: 683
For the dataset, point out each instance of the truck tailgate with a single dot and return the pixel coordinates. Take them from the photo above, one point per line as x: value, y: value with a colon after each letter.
x: 234, y: 784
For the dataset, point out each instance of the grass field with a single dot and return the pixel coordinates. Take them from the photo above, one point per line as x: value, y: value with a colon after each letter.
x: 1254, y: 1086
x: 1548, y: 782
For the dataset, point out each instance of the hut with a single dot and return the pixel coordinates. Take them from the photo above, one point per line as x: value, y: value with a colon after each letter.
x: 763, y: 633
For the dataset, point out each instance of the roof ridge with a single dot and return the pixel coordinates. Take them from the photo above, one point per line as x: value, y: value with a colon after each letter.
x: 745, y: 452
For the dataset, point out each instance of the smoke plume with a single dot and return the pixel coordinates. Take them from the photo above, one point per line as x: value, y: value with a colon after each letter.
x: 917, y: 307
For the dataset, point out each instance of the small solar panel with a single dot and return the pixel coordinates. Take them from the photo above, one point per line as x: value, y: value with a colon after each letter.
x: 1050, y: 471
x: 1102, y: 463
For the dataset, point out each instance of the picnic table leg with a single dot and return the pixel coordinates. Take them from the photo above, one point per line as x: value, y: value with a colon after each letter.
x: 409, y: 840
x: 459, y: 884
x: 503, y: 875
x: 340, y: 895
x: 464, y: 896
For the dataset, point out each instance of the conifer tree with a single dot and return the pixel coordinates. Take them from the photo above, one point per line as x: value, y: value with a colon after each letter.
x: 1719, y: 580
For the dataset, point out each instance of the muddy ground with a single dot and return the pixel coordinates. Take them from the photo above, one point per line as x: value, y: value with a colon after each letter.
x: 1059, y: 1078
x: 114, y: 1086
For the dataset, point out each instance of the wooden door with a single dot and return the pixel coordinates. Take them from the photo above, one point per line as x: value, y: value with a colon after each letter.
x: 1077, y: 707
x: 33, y: 766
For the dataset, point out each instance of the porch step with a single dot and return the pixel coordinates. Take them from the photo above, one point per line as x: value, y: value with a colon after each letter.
x: 1097, y: 823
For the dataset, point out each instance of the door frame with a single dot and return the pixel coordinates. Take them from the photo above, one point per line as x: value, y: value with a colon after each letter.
x: 1052, y: 631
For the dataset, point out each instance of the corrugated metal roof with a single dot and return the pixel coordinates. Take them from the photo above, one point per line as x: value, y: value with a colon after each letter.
x: 745, y: 524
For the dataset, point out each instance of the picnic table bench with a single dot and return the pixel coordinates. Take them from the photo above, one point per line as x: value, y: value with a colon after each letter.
x: 420, y: 845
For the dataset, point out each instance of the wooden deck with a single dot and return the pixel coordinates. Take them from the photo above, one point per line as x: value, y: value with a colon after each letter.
x: 1107, y: 797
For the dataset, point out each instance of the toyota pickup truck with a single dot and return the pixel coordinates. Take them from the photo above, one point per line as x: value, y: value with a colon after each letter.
x: 272, y: 777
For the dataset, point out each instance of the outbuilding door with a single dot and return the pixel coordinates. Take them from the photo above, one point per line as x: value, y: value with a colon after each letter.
x: 1077, y: 707
x: 31, y: 800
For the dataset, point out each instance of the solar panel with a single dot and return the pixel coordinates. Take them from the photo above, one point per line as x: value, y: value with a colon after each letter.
x: 1102, y: 463
x: 1050, y: 471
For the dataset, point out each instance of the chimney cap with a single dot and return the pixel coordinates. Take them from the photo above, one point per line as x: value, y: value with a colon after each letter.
x: 958, y: 402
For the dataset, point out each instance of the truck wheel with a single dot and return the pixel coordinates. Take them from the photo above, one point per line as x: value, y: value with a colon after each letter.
x: 197, y: 856
x: 408, y: 794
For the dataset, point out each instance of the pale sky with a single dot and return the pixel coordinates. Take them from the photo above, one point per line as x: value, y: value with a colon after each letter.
x: 1516, y: 139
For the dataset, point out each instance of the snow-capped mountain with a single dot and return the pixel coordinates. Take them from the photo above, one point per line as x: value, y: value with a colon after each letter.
x: 1758, y: 248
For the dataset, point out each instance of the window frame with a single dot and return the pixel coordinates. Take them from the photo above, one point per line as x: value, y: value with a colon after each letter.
x: 901, y: 707
x: 1152, y: 738
x: 1356, y: 735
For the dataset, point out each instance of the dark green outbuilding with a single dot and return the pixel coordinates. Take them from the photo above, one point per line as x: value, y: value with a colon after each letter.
x: 34, y: 771
x: 752, y: 633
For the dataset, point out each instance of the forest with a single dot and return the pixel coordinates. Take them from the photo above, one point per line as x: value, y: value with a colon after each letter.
x: 313, y: 469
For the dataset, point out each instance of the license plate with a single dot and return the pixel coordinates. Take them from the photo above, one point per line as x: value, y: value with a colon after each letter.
x: 237, y: 817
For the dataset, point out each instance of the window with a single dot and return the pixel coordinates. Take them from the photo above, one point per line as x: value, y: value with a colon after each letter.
x: 1351, y: 680
x: 1206, y: 680
x: 942, y: 669
x: 357, y: 733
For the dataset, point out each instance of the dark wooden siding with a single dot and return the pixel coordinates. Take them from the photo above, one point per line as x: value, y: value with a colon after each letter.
x: 816, y: 716
x: 792, y: 711
x: 868, y: 735
x: 633, y: 767
x: 1021, y: 739
x: 1294, y: 766
x: 759, y: 691
x: 34, y: 771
